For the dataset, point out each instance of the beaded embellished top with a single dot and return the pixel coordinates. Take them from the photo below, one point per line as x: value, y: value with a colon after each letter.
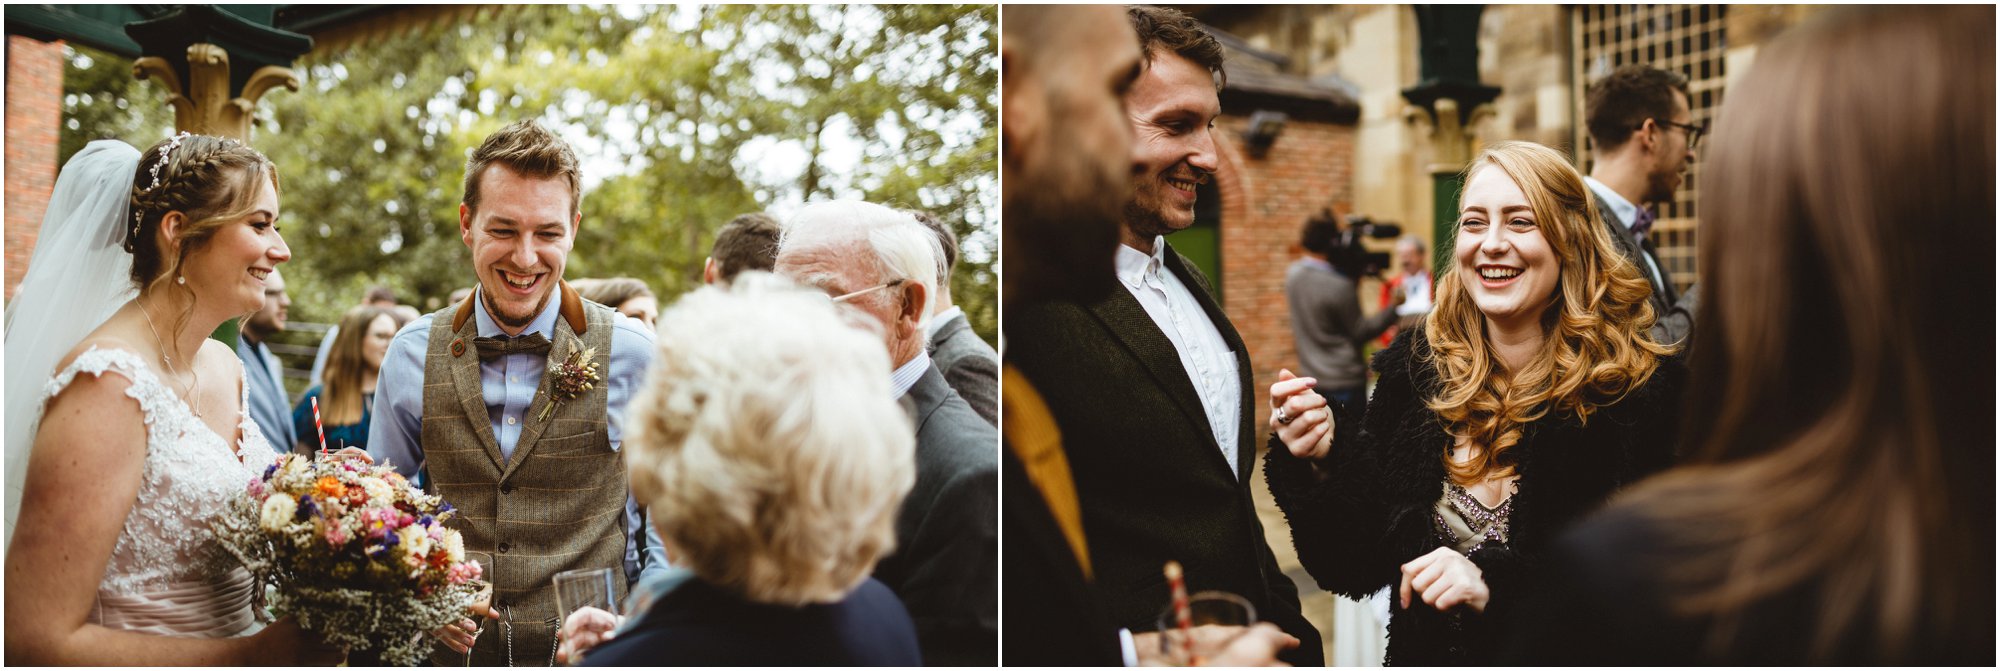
x: 1464, y: 524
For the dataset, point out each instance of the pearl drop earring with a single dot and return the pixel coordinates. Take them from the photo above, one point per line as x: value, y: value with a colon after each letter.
x: 181, y: 280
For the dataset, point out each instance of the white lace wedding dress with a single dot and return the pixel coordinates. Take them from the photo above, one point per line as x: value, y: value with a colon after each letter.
x: 167, y: 576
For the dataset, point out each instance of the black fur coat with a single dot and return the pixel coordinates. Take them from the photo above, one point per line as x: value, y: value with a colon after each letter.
x: 1386, y: 470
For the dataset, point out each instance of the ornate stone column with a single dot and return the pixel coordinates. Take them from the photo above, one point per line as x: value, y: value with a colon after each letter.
x: 1451, y: 96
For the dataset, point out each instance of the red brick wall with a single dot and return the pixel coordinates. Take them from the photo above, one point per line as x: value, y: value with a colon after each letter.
x: 1264, y: 202
x: 34, y: 113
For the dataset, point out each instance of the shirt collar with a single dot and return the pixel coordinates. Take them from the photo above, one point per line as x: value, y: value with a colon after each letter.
x: 544, y: 323
x: 1133, y: 265
x: 1626, y: 211
x: 937, y: 320
x: 906, y: 375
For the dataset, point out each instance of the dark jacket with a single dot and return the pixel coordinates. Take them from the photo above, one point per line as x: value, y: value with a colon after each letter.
x: 1673, y: 312
x: 1053, y: 614
x: 1373, y: 513
x: 970, y: 366
x: 1151, y: 481
x: 1605, y: 604
x: 698, y: 624
x: 946, y: 564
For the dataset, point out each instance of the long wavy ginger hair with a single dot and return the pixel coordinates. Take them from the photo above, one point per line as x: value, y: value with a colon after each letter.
x: 1597, y: 323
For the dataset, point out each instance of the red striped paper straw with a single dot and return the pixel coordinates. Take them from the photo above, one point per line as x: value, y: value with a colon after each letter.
x: 318, y: 427
x: 1183, y: 619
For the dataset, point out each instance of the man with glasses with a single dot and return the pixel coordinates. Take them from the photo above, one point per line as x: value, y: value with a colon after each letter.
x: 946, y: 564
x: 1645, y: 137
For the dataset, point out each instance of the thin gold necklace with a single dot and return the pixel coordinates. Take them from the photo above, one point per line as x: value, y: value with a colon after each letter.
x: 189, y: 396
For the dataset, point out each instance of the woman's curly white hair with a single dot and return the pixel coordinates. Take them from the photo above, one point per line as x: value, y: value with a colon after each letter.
x: 768, y: 443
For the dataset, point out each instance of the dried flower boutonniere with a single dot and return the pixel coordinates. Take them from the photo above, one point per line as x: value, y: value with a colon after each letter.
x: 570, y: 377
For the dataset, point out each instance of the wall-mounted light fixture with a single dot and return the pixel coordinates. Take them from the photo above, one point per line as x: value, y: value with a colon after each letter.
x: 1264, y: 128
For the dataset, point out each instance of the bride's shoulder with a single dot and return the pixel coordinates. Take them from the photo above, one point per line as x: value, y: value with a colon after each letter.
x: 220, y: 356
x: 102, y: 351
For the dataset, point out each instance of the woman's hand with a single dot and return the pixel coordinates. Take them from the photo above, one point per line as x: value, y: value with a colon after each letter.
x: 1301, y: 417
x: 354, y: 453
x: 585, y: 629
x: 1444, y: 579
x: 286, y: 644
x: 460, y: 635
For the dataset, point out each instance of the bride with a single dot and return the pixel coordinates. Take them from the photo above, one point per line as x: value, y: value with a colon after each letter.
x: 141, y: 434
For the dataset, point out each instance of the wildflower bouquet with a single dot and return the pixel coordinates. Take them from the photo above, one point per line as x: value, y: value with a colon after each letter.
x: 355, y: 552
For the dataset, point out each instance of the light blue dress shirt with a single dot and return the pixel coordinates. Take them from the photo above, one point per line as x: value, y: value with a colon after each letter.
x: 508, y: 384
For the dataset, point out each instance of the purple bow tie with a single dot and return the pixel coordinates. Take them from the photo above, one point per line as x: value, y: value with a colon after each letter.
x: 1642, y: 224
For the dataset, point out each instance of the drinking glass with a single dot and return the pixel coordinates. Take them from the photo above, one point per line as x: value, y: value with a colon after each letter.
x: 482, y: 591
x: 1230, y: 614
x: 583, y: 587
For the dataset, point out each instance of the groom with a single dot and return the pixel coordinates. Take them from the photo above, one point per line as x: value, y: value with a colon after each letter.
x: 485, y: 397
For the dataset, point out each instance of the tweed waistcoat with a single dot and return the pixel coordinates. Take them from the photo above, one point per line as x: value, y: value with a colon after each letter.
x: 557, y: 505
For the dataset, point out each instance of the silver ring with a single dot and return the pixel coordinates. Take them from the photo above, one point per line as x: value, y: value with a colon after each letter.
x: 1284, y: 418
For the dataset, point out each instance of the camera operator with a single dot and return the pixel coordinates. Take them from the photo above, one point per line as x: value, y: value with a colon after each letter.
x: 1323, y: 290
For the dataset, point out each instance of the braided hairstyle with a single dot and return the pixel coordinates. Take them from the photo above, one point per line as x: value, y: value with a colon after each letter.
x: 209, y: 180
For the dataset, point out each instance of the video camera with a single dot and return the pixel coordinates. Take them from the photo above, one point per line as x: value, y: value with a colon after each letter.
x: 1351, y: 257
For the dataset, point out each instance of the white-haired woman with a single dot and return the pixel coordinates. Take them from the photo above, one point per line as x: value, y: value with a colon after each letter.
x: 769, y: 446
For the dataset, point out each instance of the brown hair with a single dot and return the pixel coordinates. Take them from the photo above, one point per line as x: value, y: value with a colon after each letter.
x: 1173, y: 31
x: 748, y: 242
x: 1840, y: 440
x: 947, y: 243
x: 527, y: 148
x: 345, y: 366
x: 610, y: 292
x: 1597, y: 346
x: 210, y: 180
x: 1617, y: 105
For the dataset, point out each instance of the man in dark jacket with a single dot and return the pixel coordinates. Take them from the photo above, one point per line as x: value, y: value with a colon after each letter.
x: 968, y: 363
x: 946, y: 564
x: 1644, y: 139
x: 1149, y: 385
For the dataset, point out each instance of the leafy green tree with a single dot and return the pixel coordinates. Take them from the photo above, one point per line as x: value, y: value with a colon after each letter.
x: 684, y: 117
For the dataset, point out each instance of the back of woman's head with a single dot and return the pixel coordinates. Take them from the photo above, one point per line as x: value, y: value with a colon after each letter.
x: 209, y: 180
x: 1842, y: 372
x: 1597, y: 346
x: 768, y: 442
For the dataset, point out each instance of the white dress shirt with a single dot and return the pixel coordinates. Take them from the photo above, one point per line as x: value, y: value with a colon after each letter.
x: 1627, y: 213
x: 1204, y: 354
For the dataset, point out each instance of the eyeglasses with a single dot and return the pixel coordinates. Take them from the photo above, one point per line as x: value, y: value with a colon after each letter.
x: 843, y: 297
x: 1694, y: 131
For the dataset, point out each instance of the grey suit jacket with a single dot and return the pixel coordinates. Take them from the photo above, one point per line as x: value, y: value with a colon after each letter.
x: 270, y: 406
x: 947, y: 559
x: 970, y: 366
x: 1674, y: 313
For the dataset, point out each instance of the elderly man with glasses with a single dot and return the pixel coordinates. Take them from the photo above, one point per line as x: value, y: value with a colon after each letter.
x: 946, y: 564
x: 1645, y: 137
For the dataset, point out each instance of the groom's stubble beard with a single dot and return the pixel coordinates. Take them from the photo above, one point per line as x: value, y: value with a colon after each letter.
x: 508, y: 321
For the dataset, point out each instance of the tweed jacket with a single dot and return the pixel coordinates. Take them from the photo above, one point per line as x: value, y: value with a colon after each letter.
x: 557, y: 505
x: 1373, y: 512
x: 946, y: 564
x: 1673, y: 313
x: 1151, y: 481
x: 969, y: 365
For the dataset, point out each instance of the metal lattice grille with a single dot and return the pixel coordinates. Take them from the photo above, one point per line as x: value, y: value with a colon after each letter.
x: 1686, y: 38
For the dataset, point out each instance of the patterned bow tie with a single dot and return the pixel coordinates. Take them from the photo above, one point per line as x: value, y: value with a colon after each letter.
x: 1642, y: 224
x: 492, y: 348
